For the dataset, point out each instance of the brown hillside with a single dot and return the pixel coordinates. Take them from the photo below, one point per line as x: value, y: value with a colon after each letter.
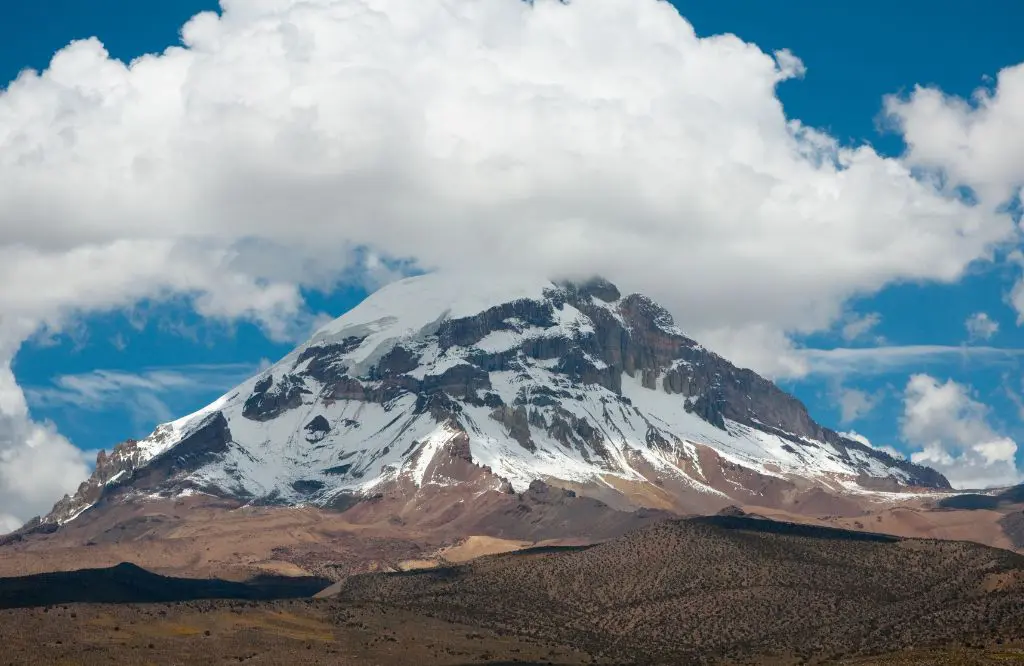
x: 727, y: 587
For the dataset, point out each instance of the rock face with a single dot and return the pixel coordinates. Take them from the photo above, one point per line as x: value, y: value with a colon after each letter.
x: 136, y: 466
x: 570, y: 384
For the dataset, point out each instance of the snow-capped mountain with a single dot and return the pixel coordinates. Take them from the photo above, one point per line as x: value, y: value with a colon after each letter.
x: 434, y: 380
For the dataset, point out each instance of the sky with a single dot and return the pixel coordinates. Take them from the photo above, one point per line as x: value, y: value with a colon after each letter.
x: 828, y: 193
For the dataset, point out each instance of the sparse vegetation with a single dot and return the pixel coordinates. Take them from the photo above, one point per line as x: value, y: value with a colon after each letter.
x: 728, y: 589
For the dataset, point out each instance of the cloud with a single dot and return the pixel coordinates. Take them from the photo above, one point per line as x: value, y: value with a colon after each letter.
x: 1015, y: 298
x: 142, y: 393
x: 1012, y: 395
x: 971, y: 143
x: 981, y: 327
x: 606, y: 132
x: 846, y: 361
x: 98, y: 389
x: 857, y: 437
x: 857, y: 326
x: 951, y: 431
x: 765, y: 348
x: 119, y: 342
x: 290, y: 145
x: 855, y: 404
x: 37, y: 464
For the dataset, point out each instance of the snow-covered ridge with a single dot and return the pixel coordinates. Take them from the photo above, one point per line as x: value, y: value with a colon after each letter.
x: 414, y: 307
x: 570, y: 383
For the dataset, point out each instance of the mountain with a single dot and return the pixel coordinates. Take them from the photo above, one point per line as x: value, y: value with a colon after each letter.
x: 436, y: 383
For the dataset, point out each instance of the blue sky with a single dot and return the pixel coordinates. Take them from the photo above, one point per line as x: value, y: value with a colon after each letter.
x: 114, y: 373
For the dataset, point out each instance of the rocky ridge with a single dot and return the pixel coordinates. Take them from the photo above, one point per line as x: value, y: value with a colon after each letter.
x: 430, y: 382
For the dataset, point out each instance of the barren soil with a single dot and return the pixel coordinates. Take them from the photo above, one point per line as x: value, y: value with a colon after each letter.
x: 201, y: 536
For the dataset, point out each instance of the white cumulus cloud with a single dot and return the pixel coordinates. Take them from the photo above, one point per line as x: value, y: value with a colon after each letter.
x: 950, y: 431
x: 971, y: 143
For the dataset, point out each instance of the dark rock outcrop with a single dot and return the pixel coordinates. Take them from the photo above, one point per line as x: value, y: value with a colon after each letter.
x: 270, y: 399
x: 206, y: 444
x: 517, y: 423
x: 317, y: 429
x: 467, y: 331
x: 125, y: 467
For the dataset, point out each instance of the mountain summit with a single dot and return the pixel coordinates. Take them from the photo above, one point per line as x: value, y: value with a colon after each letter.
x: 436, y: 382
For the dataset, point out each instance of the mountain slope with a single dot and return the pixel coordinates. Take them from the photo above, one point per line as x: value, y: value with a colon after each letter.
x: 433, y: 383
x: 726, y: 589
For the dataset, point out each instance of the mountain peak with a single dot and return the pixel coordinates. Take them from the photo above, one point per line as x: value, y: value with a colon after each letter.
x: 489, y: 385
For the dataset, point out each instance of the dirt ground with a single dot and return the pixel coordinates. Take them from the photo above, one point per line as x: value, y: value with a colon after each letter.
x: 319, y: 632
x: 285, y: 633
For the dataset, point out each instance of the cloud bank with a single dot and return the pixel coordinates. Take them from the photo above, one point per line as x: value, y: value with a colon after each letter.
x: 335, y: 136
